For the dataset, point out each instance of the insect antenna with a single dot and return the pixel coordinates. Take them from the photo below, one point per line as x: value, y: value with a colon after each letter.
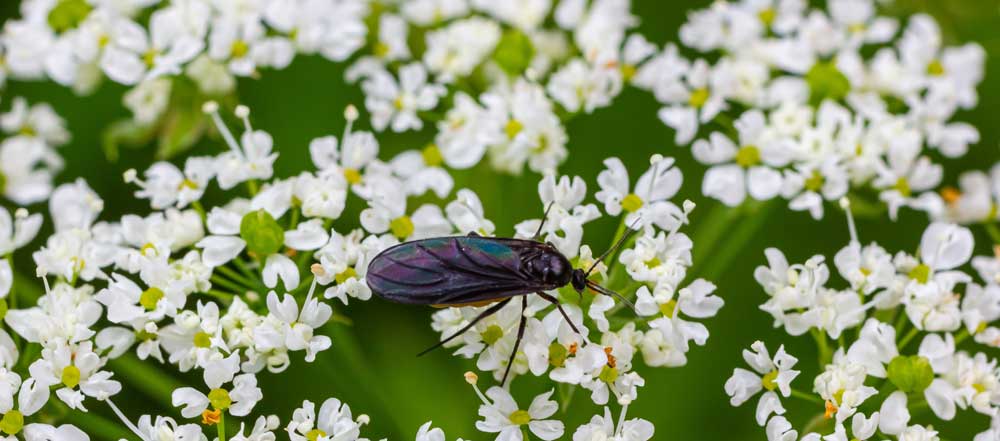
x: 594, y: 286
x: 614, y: 248
x: 545, y: 217
x: 488, y: 312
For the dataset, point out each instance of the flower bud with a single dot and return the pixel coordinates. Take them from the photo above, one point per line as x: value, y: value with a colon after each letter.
x: 910, y: 374
x: 262, y: 233
x: 514, y: 52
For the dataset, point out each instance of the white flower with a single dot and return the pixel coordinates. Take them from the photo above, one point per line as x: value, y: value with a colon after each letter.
x: 774, y: 373
x: 395, y: 105
x: 456, y: 49
x: 648, y: 202
x: 842, y: 386
x: 333, y: 422
x: 71, y: 367
x: 286, y: 326
x: 602, y: 428
x: 749, y: 168
x: 502, y: 415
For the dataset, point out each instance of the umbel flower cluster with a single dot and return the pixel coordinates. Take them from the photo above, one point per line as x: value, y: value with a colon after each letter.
x: 777, y: 98
x: 909, y: 332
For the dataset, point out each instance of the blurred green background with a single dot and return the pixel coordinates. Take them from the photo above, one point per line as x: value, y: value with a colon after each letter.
x: 372, y: 365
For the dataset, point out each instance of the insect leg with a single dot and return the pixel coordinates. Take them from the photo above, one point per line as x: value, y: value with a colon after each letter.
x: 555, y: 301
x: 490, y: 311
x: 520, y: 335
x: 545, y: 217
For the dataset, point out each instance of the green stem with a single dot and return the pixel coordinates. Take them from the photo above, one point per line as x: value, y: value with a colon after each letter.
x: 994, y: 232
x: 808, y: 397
x: 222, y: 426
x: 961, y: 336
x: 146, y: 378
x: 822, y: 345
x: 909, y: 336
x: 228, y: 284
x: 708, y: 233
x: 93, y: 423
x: 237, y: 277
x: 735, y: 242
x: 244, y: 268
x: 196, y: 205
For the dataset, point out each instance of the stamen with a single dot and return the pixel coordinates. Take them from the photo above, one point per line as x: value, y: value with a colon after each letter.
x: 846, y: 205
x: 212, y: 109
x: 243, y: 112
x: 131, y: 176
x: 351, y: 115
x: 473, y: 379
x: 21, y: 213
x: 127, y: 423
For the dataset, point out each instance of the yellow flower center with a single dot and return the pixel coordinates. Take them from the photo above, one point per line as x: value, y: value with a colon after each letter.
x: 668, y: 309
x: 512, y: 128
x: 767, y: 16
x: 492, y: 334
x: 70, y: 376
x: 698, y: 98
x: 628, y: 71
x: 239, y: 49
x: 220, y: 399
x: 202, y: 340
x: 432, y: 155
x: 520, y: 417
x: 768, y: 380
x: 150, y: 298
x: 935, y: 68
x: 632, y: 202
x: 748, y: 156
x: 815, y: 181
x: 608, y: 374
x: 921, y: 273
x: 345, y: 275
x: 402, y: 227
x: 352, y: 175
x: 903, y: 187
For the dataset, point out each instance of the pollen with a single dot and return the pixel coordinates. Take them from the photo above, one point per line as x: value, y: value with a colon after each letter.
x: 950, y: 195
x: 211, y: 417
x: 573, y: 347
x: 831, y: 410
x: 612, y: 361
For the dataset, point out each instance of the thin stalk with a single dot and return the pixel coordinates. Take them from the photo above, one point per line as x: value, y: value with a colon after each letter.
x: 146, y: 378
x: 237, y: 277
x: 735, y: 242
x: 994, y: 232
x: 909, y: 337
x: 222, y: 426
x: 808, y: 397
x: 228, y: 284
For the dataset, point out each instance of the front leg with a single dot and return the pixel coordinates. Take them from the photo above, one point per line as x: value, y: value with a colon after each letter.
x: 555, y: 301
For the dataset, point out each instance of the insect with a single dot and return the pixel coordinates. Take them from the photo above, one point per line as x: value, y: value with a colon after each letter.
x: 475, y: 271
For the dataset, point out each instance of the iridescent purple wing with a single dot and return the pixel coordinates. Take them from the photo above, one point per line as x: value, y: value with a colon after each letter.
x: 452, y: 270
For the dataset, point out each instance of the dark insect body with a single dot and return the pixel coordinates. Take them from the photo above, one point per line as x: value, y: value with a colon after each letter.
x: 477, y: 270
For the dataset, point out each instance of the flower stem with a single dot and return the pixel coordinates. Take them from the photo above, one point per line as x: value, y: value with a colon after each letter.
x: 146, y: 378
x: 752, y: 217
x: 909, y: 336
x: 822, y: 345
x: 994, y: 232
x: 808, y: 397
x: 222, y: 426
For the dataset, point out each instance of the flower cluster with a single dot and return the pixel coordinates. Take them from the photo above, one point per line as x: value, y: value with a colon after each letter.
x: 240, y: 287
x: 28, y: 156
x: 496, y: 78
x: 875, y: 382
x: 810, y: 105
